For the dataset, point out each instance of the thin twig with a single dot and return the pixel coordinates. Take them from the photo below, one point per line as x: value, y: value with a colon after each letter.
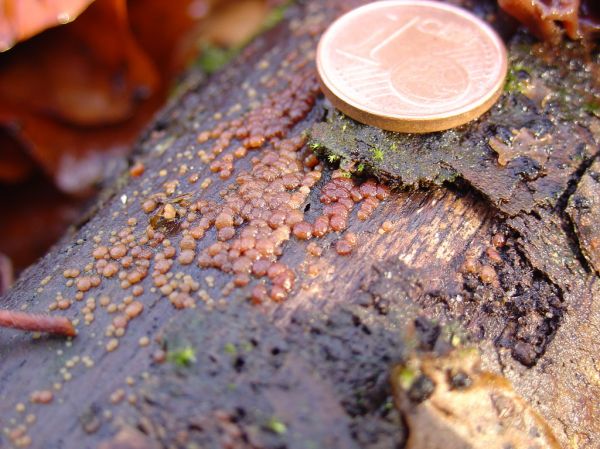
x: 6, y: 274
x: 37, y: 323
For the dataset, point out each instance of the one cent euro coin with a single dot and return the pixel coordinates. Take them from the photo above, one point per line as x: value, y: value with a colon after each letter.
x: 411, y: 66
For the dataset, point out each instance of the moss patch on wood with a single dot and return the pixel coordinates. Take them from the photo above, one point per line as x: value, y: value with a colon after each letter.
x: 523, y: 153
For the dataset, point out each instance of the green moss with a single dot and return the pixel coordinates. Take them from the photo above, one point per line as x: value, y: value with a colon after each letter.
x: 276, y: 426
x: 377, y: 154
x: 182, y: 357
x: 454, y: 334
x: 332, y: 158
x: 513, y: 81
x: 365, y: 149
x: 389, y: 404
x: 406, y: 377
x: 592, y: 108
x: 212, y: 58
x: 230, y: 349
x: 275, y: 16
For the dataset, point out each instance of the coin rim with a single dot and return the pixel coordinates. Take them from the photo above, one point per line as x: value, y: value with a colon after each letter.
x: 411, y: 123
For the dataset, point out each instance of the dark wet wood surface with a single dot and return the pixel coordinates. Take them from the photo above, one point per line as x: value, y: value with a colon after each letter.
x: 311, y: 370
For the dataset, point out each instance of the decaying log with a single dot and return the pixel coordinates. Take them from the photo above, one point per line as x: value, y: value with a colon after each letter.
x: 185, y: 340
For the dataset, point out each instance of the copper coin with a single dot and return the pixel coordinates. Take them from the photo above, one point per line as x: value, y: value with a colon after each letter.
x: 411, y: 66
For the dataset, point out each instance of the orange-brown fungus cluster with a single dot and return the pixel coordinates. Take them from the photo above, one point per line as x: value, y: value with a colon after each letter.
x: 267, y: 174
x: 487, y: 273
x: 548, y: 19
x: 264, y: 206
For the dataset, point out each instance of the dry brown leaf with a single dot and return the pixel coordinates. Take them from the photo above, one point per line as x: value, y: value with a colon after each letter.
x: 76, y: 157
x: 34, y: 216
x: 78, y: 95
x: 14, y: 163
x: 175, y: 44
x: 21, y: 19
x: 82, y: 73
x: 6, y: 274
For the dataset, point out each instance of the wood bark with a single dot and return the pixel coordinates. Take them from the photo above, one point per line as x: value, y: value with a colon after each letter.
x: 312, y: 370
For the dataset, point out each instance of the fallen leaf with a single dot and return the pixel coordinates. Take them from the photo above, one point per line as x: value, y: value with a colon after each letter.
x: 21, y: 19
x: 80, y: 74
x: 77, y: 157
x: 14, y: 163
x: 6, y: 274
x: 179, y: 25
x: 34, y: 215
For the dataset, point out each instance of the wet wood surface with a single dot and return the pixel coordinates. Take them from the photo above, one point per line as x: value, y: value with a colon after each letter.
x: 206, y: 363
